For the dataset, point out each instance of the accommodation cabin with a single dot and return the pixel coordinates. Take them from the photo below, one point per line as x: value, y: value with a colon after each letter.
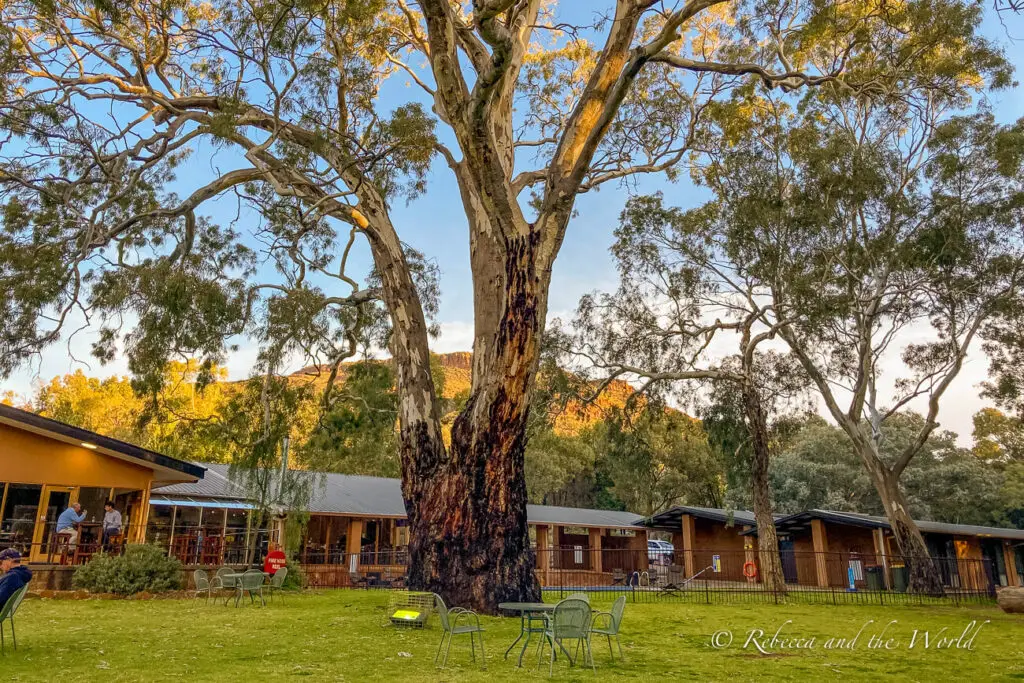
x: 701, y: 534
x: 825, y: 547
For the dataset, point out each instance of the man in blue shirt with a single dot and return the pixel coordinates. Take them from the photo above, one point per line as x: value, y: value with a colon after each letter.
x: 14, y: 575
x: 67, y: 521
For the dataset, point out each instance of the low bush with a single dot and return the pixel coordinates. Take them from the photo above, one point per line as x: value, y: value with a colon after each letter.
x: 296, y: 577
x: 140, y: 568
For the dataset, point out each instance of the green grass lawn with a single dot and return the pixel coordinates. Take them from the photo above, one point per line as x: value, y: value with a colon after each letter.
x: 338, y: 636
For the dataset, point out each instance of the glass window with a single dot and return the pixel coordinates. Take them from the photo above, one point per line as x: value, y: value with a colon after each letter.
x: 213, y: 521
x: 18, y: 519
x: 92, y: 499
x: 128, y: 503
x: 188, y: 520
x: 158, y: 531
x: 234, y: 536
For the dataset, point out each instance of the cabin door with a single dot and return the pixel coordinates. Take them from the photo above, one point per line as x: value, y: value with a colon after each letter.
x: 788, y: 559
x: 54, y: 500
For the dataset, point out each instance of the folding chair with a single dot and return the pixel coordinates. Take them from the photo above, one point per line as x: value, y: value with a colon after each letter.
x: 7, y: 614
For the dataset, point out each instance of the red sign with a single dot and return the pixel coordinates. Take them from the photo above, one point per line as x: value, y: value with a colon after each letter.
x: 275, y: 560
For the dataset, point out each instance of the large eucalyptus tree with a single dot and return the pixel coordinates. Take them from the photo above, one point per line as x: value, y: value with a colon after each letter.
x: 102, y: 101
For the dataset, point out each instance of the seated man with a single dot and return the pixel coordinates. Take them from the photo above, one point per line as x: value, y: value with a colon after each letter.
x: 67, y: 521
x: 111, y: 523
x: 14, y: 575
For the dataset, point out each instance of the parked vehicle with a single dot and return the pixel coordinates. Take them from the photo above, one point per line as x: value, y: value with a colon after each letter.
x: 660, y: 552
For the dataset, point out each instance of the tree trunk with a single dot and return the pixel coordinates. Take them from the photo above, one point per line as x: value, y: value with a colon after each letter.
x: 767, y: 539
x: 469, y: 538
x: 922, y: 573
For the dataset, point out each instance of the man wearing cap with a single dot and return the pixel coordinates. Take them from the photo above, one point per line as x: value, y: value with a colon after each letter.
x: 14, y: 575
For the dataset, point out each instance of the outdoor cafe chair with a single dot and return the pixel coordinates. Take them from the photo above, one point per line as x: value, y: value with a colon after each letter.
x: 7, y: 614
x: 451, y: 626
x: 250, y: 582
x: 223, y: 578
x: 618, y: 577
x: 277, y: 582
x: 607, y: 624
x: 202, y: 585
x: 570, y: 620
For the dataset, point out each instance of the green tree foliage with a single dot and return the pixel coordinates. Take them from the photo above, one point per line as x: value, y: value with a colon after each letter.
x: 819, y: 469
x: 657, y: 459
x: 174, y: 421
x: 560, y: 469
x: 358, y: 433
x: 998, y: 438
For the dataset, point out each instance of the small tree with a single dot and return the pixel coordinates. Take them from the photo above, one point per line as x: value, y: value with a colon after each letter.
x: 255, y: 422
x: 664, y: 327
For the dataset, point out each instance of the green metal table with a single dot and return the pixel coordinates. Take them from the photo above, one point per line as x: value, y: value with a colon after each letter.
x: 532, y: 619
x: 236, y: 583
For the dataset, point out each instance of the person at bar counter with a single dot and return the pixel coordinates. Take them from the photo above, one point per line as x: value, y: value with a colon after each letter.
x: 111, y: 522
x: 14, y: 575
x: 67, y: 521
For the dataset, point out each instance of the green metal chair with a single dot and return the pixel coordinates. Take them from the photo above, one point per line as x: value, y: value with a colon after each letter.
x: 202, y: 585
x: 570, y: 620
x: 277, y: 582
x: 223, y: 579
x: 451, y: 627
x: 610, y: 626
x: 7, y: 614
x: 251, y: 582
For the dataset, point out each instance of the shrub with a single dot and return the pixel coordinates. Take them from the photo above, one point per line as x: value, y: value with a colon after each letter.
x: 296, y: 577
x: 140, y: 568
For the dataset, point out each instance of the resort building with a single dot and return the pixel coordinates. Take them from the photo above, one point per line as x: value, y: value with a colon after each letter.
x: 46, y: 466
x: 357, y: 524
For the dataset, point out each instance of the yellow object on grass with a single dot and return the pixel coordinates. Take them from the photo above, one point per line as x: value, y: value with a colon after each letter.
x: 405, y: 614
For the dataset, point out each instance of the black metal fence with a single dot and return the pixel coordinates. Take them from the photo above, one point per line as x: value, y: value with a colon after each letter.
x: 709, y: 576
x: 704, y: 576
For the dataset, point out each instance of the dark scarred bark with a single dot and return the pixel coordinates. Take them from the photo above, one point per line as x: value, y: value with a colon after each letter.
x: 468, y: 532
x: 767, y: 540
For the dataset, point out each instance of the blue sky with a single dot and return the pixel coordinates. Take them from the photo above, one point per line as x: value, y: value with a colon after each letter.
x: 435, y: 224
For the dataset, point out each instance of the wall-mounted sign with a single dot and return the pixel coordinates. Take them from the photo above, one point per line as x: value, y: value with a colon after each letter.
x: 275, y: 560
